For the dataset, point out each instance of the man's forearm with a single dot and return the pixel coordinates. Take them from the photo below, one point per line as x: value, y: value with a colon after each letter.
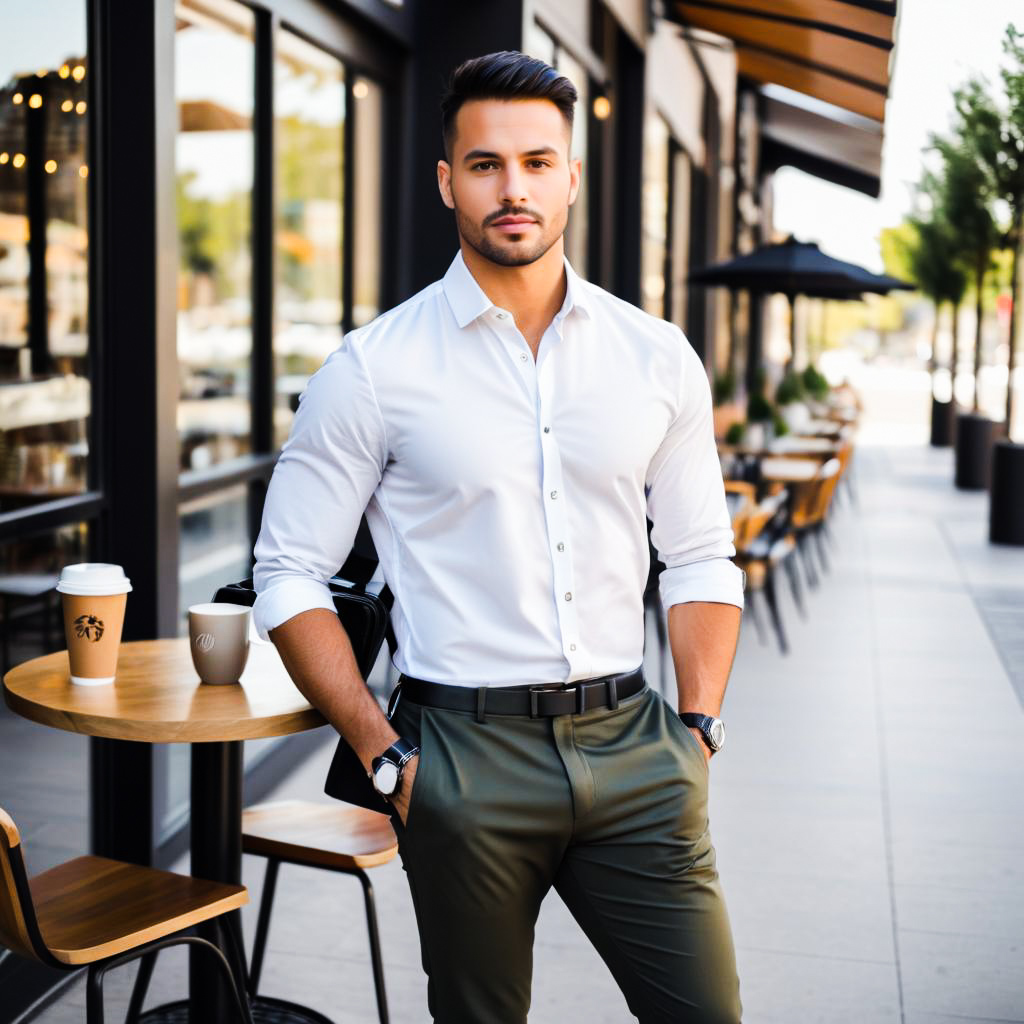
x: 703, y: 638
x: 316, y: 652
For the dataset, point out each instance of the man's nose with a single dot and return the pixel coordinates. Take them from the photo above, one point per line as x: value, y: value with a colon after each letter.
x: 513, y: 187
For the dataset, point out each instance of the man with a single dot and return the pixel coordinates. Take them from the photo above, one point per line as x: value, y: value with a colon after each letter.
x: 508, y: 430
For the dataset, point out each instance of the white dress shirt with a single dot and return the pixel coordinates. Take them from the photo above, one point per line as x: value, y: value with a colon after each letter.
x: 507, y: 498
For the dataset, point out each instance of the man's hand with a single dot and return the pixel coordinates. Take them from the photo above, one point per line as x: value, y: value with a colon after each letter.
x: 401, y: 799
x: 707, y: 751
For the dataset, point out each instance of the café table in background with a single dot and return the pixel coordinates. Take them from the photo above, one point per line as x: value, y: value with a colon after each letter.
x: 158, y: 698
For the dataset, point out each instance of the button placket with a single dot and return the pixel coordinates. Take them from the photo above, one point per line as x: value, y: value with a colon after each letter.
x: 556, y: 515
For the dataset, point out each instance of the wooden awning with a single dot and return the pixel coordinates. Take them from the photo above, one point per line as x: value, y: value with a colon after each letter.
x: 837, y: 51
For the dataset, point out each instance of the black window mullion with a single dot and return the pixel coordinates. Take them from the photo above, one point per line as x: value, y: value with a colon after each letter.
x: 348, y: 205
x: 263, y: 222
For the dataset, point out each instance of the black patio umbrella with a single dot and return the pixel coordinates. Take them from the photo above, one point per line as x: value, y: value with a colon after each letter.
x: 796, y: 268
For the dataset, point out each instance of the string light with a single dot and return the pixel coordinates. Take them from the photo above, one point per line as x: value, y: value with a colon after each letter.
x: 602, y: 107
x: 50, y: 166
x: 360, y: 90
x: 4, y: 157
x: 19, y: 160
x: 67, y: 106
x: 79, y: 73
x: 35, y: 101
x: 80, y: 107
x: 42, y: 74
x: 17, y: 98
x: 65, y: 71
x: 83, y: 171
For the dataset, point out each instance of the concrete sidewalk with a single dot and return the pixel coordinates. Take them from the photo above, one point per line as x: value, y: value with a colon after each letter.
x: 868, y: 812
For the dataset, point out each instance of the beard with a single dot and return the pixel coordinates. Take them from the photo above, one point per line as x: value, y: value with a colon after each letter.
x: 510, y: 252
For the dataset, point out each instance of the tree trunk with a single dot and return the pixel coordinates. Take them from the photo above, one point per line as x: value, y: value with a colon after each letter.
x: 1014, y: 292
x: 979, y: 283
x: 954, y: 356
x: 933, y: 362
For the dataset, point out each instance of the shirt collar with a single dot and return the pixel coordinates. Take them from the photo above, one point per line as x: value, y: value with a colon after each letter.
x: 469, y: 301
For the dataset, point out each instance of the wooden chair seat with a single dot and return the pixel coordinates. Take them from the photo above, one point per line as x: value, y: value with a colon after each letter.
x: 92, y: 908
x: 335, y: 836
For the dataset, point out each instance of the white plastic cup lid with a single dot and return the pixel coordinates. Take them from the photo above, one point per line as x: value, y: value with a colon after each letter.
x: 93, y: 579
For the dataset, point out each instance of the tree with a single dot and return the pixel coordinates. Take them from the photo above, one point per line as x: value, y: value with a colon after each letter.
x: 967, y: 195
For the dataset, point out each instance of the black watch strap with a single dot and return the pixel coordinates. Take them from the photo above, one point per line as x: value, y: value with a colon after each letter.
x: 399, y: 753
x: 695, y: 720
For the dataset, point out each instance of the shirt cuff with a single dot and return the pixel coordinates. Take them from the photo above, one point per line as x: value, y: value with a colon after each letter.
x: 287, y: 599
x: 715, y: 579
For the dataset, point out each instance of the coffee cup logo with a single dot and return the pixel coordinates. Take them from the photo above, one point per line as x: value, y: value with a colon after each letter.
x: 205, y: 642
x: 88, y: 627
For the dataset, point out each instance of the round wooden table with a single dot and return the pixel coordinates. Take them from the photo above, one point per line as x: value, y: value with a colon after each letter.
x: 158, y: 698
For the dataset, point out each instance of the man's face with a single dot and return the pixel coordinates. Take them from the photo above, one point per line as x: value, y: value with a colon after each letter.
x: 510, y: 180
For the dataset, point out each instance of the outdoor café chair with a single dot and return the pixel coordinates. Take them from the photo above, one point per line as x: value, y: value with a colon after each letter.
x: 335, y: 837
x: 810, y: 511
x: 99, y: 913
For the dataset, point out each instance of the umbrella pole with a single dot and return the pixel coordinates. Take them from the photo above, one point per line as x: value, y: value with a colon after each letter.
x: 792, y: 332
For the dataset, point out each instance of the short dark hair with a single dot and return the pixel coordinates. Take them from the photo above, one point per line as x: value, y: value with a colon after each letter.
x: 507, y: 75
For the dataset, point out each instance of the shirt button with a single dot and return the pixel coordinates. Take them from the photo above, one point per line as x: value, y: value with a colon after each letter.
x: 523, y: 356
x: 568, y: 596
x: 501, y: 316
x: 554, y: 494
x: 572, y: 647
x: 547, y: 430
x: 561, y: 546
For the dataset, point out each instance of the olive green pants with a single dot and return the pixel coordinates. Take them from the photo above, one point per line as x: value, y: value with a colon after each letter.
x: 610, y: 808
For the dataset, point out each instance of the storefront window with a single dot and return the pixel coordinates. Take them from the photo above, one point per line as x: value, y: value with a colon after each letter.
x: 44, y: 166
x: 215, y: 548
x: 655, y: 215
x: 30, y: 611
x: 309, y: 111
x: 214, y: 85
x: 368, y: 160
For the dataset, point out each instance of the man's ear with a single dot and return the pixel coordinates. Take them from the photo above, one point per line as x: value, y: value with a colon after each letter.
x: 575, y: 174
x: 444, y: 183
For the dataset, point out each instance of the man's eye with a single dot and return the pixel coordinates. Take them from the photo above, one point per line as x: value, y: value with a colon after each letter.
x: 538, y: 163
x: 483, y: 165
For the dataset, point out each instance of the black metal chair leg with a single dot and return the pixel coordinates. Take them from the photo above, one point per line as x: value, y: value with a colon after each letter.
x: 752, y: 604
x: 809, y: 571
x: 94, y: 994
x: 140, y: 988
x: 263, y: 924
x: 773, y: 608
x: 375, y: 956
x: 794, y: 586
x: 822, y: 552
x: 241, y: 1000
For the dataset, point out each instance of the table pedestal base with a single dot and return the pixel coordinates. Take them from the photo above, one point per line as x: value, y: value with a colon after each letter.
x: 265, y: 1010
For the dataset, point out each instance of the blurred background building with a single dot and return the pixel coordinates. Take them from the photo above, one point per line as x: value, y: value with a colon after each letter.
x: 197, y: 198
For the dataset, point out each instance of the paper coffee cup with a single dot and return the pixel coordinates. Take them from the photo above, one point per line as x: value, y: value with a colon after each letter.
x: 219, y: 640
x: 94, y: 596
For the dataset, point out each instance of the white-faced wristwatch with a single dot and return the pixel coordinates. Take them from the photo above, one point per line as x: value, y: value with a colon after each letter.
x: 387, y: 770
x: 711, y: 729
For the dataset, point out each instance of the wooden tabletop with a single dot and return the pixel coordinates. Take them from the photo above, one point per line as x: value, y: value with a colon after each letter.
x: 158, y: 698
x: 790, y: 471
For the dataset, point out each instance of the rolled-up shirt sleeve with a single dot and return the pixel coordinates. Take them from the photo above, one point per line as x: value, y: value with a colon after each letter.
x: 692, y: 531
x: 327, y: 472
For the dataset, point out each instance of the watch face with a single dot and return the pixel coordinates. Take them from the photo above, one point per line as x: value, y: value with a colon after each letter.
x: 385, y: 778
x: 717, y: 731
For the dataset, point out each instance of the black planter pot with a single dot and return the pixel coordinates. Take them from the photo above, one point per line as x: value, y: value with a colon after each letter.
x: 943, y: 423
x: 1006, y: 509
x: 974, y: 436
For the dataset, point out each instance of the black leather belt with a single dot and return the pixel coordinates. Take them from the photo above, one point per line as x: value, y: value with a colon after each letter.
x: 543, y: 701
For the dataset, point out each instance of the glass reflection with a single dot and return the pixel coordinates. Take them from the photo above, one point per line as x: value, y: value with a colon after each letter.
x: 214, y: 87
x: 655, y: 215
x: 309, y: 112
x: 44, y: 390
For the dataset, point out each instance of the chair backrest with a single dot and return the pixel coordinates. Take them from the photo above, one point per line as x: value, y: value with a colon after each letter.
x: 19, y: 931
x: 828, y: 478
